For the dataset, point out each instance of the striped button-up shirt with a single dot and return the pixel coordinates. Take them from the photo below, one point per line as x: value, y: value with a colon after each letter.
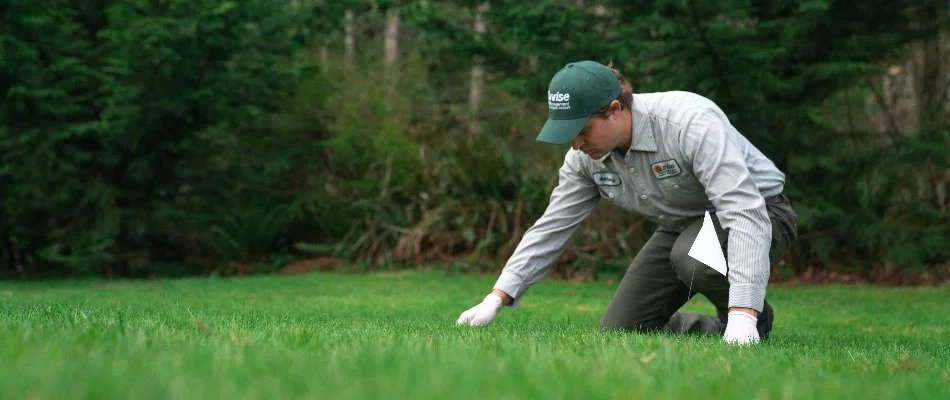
x: 685, y: 158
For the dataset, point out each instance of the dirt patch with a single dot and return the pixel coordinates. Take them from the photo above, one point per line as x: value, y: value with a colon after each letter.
x: 887, y: 276
x: 310, y: 265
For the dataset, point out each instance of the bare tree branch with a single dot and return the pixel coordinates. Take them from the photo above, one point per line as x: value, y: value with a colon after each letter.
x: 886, y: 109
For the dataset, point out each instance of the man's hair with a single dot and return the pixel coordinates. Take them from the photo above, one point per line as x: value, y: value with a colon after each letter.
x: 626, y: 93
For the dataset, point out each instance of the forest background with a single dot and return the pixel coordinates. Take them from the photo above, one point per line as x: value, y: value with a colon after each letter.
x: 161, y: 138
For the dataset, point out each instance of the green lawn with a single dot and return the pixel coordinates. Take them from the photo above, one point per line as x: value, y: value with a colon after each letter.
x: 393, y: 336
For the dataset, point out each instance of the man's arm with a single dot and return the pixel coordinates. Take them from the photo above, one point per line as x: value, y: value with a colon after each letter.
x: 720, y: 166
x: 571, y: 202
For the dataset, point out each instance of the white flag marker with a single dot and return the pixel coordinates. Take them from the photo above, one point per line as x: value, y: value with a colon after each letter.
x: 706, y: 247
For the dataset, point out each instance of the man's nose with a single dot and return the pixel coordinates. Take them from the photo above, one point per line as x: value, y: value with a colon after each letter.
x: 577, y: 143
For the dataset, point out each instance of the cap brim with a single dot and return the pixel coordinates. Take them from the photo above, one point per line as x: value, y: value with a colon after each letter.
x: 561, y: 131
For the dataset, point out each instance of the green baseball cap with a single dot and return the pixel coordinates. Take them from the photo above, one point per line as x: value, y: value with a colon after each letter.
x: 577, y: 91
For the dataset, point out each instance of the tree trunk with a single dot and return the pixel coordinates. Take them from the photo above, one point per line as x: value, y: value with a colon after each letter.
x: 935, y: 86
x: 477, y: 82
x: 349, y: 39
x: 916, y: 91
x: 916, y: 98
x: 945, y: 63
x: 393, y: 20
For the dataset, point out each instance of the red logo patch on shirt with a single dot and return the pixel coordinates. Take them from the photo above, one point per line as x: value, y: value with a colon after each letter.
x: 666, y: 169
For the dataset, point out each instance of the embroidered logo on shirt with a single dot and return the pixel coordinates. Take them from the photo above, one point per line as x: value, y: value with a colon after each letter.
x: 666, y: 169
x: 607, y: 179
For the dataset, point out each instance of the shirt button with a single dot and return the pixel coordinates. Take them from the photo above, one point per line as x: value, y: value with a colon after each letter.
x: 633, y: 170
x: 662, y: 217
x: 676, y: 187
x: 643, y: 196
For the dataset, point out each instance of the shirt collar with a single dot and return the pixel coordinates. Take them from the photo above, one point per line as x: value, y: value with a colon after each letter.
x: 643, y: 139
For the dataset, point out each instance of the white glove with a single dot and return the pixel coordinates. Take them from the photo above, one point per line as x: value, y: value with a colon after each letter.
x: 483, y: 313
x: 741, y: 329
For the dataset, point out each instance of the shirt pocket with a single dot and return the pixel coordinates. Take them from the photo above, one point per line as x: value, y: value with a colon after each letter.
x: 610, y: 192
x: 683, y: 190
x: 609, y: 185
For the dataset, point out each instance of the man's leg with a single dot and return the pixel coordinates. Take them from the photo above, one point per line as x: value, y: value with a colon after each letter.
x: 696, y: 275
x: 650, y: 293
x: 784, y: 227
x: 713, y: 285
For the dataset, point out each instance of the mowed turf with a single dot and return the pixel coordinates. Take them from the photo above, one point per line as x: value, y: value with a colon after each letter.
x: 394, y: 336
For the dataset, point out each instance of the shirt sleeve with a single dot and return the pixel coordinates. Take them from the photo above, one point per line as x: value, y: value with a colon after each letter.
x: 720, y: 166
x: 571, y: 202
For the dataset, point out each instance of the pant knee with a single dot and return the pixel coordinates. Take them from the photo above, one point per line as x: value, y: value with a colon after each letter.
x: 690, y: 271
x: 631, y: 326
x: 700, y: 278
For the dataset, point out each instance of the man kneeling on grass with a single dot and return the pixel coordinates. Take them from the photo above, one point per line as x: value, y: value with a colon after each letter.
x: 670, y: 157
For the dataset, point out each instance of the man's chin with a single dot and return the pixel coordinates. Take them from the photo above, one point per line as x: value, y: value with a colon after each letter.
x: 598, y: 156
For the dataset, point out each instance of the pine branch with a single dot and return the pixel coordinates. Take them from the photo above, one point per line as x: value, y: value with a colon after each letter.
x: 714, y: 57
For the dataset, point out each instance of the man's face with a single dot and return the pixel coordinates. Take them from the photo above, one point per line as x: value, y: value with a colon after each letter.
x: 599, y: 136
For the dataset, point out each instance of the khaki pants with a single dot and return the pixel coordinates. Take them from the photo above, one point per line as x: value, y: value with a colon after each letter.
x: 662, y: 278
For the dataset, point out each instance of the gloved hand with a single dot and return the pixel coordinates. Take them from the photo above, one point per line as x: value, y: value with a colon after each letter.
x: 481, y: 314
x: 741, y: 329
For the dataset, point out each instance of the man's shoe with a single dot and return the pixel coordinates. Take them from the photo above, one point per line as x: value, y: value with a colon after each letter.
x: 764, y: 325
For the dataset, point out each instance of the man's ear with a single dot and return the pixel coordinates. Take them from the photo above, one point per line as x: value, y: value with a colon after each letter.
x: 615, y: 106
